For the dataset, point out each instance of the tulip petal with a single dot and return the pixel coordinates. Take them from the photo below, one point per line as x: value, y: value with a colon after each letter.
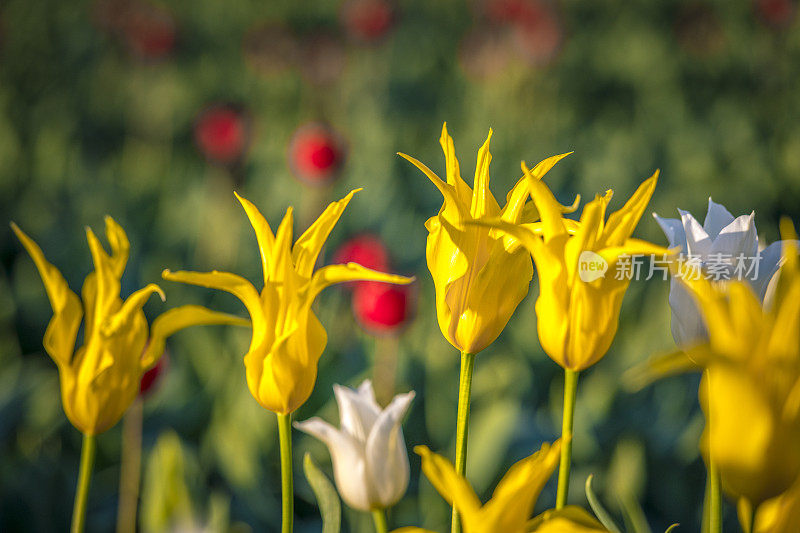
x: 264, y: 236
x: 178, y: 318
x: 225, y: 281
x: 387, y: 459
x: 569, y: 519
x: 281, y: 266
x: 453, y: 487
x: 621, y: 223
x: 717, y: 217
x: 133, y: 304
x: 515, y: 496
x: 483, y: 203
x: 349, y: 464
x: 120, y: 246
x: 452, y: 207
x: 333, y: 274
x: 356, y: 416
x: 673, y: 229
x: 308, y: 246
x: 770, y: 260
x: 698, y: 243
x: 550, y: 210
x: 107, y: 285
x: 462, y: 190
x: 59, y: 339
x: 738, y: 237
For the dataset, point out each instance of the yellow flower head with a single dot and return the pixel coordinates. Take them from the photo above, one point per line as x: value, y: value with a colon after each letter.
x: 751, y: 387
x: 480, y: 275
x: 101, y: 379
x: 288, y: 339
x: 510, y: 508
x: 576, y: 318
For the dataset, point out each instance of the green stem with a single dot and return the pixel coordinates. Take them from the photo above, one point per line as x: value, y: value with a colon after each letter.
x: 380, y: 521
x: 570, y: 389
x: 714, y: 499
x: 287, y: 490
x: 84, y: 478
x: 462, y: 426
x: 130, y: 467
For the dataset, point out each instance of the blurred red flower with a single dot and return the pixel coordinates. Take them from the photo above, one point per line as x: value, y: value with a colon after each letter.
x: 152, y: 376
x: 316, y: 153
x: 221, y: 134
x: 381, y: 308
x: 367, y: 20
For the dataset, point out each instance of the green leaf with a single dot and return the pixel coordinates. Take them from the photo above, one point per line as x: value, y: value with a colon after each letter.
x: 599, y: 510
x: 327, y: 498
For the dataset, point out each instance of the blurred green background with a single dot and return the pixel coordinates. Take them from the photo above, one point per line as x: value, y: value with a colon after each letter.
x: 104, y: 109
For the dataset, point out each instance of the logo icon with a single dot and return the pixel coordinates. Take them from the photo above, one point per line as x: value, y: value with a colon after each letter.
x: 591, y: 266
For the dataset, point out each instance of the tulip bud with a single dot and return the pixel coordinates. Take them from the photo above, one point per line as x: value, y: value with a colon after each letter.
x: 370, y: 461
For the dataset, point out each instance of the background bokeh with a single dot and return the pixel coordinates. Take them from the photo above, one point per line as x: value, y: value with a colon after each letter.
x: 154, y: 112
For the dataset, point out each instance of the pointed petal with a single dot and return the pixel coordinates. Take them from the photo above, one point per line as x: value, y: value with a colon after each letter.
x: 657, y: 367
x: 717, y: 217
x: 544, y: 166
x: 387, y: 457
x: 515, y: 202
x: 367, y: 394
x: 769, y: 262
x: 333, y: 274
x: 132, y: 305
x: 738, y: 237
x: 107, y: 282
x: 224, y: 281
x: 177, y: 319
x: 308, y: 246
x: 483, y: 203
x: 549, y: 209
x: 59, y: 340
x: 621, y: 224
x: 120, y: 246
x: 356, y: 416
x: 264, y: 236
x: 453, y: 487
x: 515, y: 496
x: 452, y: 204
x: 453, y: 172
x: 281, y: 266
x: 673, y: 229
x: 349, y: 464
x: 698, y: 243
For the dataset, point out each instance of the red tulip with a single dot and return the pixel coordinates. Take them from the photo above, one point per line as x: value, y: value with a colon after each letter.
x: 366, y: 250
x: 316, y: 153
x: 150, y: 31
x: 367, y: 20
x: 221, y: 134
x: 153, y: 375
x: 381, y: 308
x: 776, y: 13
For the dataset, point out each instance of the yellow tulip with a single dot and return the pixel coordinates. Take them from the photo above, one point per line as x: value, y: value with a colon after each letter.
x: 510, y: 508
x: 576, y: 319
x: 480, y: 276
x: 750, y: 390
x: 100, y: 380
x: 288, y: 339
x: 777, y: 515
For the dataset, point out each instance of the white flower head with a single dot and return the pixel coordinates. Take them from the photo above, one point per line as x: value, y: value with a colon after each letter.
x: 720, y: 243
x: 370, y: 461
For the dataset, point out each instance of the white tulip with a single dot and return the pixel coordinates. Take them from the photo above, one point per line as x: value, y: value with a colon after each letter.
x: 370, y: 461
x: 723, y: 234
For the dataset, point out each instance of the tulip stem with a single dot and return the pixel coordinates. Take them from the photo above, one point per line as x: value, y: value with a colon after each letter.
x: 380, y: 521
x: 714, y: 499
x: 287, y: 490
x: 84, y: 478
x: 570, y: 389
x: 752, y: 520
x: 130, y: 468
x: 462, y: 425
